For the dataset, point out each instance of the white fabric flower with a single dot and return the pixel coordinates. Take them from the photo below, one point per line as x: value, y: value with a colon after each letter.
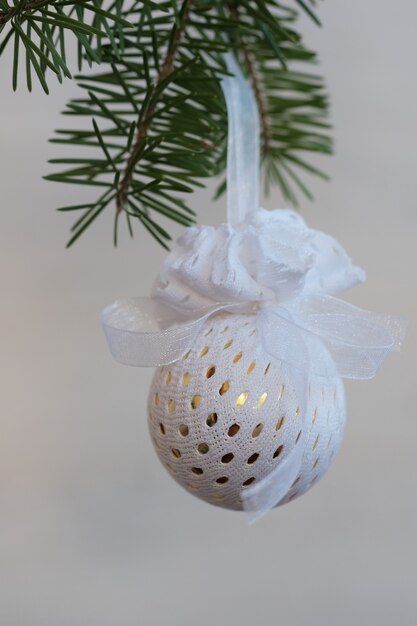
x: 272, y: 256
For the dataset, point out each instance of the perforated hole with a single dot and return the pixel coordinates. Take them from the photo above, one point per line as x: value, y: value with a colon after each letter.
x: 248, y: 482
x: 156, y: 399
x: 281, y: 391
x: 222, y: 480
x: 203, y: 448
x: 228, y: 344
x: 168, y: 378
x: 162, y: 428
x: 251, y: 367
x: 262, y: 399
x: 316, y: 442
x: 298, y: 436
x: 297, y: 411
x: 280, y: 423
x: 315, y: 463
x: 211, y: 420
x: 313, y: 419
x: 253, y: 458
x: 296, y: 481
x: 171, y: 406
x: 225, y: 329
x: 197, y: 471
x: 211, y: 371
x: 176, y: 453
x: 267, y: 369
x: 233, y: 430
x: 185, y: 379
x: 257, y: 430
x: 204, y: 351
x: 217, y: 496
x: 183, y: 430
x: 224, y: 388
x: 237, y: 357
x: 242, y: 398
x: 195, y: 402
x: 193, y: 486
x: 186, y: 355
x: 208, y: 332
x: 226, y: 458
x: 278, y: 451
x: 171, y: 468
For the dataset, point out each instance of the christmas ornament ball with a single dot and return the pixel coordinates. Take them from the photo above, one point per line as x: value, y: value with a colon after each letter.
x: 223, y: 416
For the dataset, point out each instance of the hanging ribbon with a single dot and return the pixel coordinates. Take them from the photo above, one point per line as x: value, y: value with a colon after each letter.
x: 268, y: 264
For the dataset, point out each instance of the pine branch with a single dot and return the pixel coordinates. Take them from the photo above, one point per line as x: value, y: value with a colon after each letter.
x: 40, y: 26
x: 146, y: 118
x: 159, y: 118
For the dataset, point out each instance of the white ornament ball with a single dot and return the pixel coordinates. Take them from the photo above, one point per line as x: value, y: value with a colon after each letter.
x: 223, y: 416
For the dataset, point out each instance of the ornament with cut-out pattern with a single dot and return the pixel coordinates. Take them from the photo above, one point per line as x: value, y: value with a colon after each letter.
x: 237, y: 416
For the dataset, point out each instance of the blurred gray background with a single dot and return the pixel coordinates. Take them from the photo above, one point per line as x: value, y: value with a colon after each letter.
x: 93, y: 531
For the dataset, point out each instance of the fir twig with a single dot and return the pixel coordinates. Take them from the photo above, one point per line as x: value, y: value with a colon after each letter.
x: 157, y: 121
x: 145, y: 118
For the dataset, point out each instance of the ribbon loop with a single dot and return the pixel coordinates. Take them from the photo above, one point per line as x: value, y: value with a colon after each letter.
x: 358, y: 341
x: 242, y: 144
x: 145, y: 332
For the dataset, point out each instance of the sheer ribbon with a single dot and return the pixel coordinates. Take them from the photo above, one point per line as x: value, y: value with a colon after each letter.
x: 310, y: 334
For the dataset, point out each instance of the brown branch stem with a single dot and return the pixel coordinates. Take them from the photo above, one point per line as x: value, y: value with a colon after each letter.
x: 32, y: 5
x: 144, y: 127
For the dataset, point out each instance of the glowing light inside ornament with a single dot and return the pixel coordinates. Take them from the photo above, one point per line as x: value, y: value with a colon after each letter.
x: 262, y: 399
x: 211, y: 420
x: 203, y: 448
x: 242, y: 398
x: 237, y: 357
x: 233, y: 430
x: 257, y: 430
x: 280, y: 423
x: 251, y: 368
x: 183, y: 430
x: 224, y: 388
x: 195, y: 402
x: 278, y: 451
x: 185, y: 380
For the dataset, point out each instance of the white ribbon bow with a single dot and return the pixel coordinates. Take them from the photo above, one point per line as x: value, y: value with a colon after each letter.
x: 267, y: 263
